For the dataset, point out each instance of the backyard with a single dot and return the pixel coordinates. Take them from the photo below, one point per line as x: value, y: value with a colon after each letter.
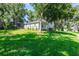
x: 39, y: 29
x: 32, y: 43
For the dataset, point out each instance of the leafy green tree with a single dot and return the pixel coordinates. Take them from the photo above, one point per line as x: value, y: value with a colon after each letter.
x: 12, y: 11
x: 56, y: 12
x: 31, y: 15
x: 39, y: 9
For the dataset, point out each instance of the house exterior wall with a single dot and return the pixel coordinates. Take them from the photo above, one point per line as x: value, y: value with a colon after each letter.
x: 35, y: 26
x: 39, y: 25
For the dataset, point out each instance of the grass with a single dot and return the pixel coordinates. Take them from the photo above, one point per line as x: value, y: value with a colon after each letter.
x: 33, y: 43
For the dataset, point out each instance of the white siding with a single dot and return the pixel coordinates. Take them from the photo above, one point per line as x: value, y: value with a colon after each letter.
x: 33, y: 26
x: 39, y: 25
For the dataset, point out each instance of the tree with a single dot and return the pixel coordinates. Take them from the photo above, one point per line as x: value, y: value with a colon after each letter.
x: 31, y: 15
x: 55, y: 12
x: 12, y: 11
x: 39, y: 9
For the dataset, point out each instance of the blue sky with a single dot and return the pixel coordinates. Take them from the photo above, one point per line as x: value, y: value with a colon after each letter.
x: 75, y: 4
x: 29, y: 7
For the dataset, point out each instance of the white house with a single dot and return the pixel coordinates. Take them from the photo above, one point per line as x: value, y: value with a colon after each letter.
x: 39, y: 25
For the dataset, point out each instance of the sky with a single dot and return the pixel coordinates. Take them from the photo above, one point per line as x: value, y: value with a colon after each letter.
x: 75, y: 4
x: 29, y: 7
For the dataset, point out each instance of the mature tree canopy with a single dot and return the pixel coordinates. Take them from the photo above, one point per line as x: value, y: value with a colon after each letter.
x: 54, y: 11
x: 13, y: 12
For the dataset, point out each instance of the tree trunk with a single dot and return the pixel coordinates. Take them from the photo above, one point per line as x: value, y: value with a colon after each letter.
x: 62, y: 25
x: 54, y: 26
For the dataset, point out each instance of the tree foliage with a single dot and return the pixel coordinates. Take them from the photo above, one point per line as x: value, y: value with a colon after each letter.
x: 55, y: 12
x: 13, y: 12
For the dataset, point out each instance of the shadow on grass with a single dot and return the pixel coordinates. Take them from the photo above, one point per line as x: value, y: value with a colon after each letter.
x: 66, y: 33
x: 4, y: 31
x: 32, y: 44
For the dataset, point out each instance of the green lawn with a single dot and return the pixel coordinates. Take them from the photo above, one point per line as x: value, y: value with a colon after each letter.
x: 28, y: 42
